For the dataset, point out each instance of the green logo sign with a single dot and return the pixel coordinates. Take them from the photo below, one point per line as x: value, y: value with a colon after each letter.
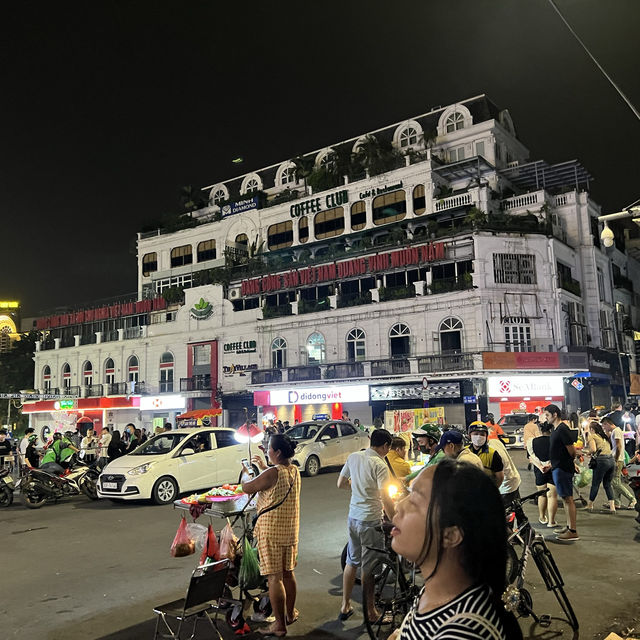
x: 201, y: 310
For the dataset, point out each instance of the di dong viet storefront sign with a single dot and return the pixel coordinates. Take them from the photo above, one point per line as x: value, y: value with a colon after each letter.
x: 347, y: 269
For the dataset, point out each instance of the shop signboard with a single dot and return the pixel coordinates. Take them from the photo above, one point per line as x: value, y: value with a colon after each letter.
x: 506, y: 387
x: 162, y: 403
x: 238, y: 207
x: 320, y: 416
x: 241, y: 346
x: 314, y: 205
x: 534, y: 360
x: 318, y: 395
x: 391, y: 392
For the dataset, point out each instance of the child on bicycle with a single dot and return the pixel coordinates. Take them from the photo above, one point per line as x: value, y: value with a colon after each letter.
x: 452, y: 525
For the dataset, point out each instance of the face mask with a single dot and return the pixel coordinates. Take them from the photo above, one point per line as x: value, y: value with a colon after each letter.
x: 478, y: 441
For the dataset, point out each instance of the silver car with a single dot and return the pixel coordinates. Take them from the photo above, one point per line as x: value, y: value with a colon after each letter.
x: 325, y: 444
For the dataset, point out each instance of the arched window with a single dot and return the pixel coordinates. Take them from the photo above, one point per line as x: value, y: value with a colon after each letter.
x: 252, y: 186
x: 149, y: 263
x: 279, y: 353
x: 303, y: 229
x: 329, y: 223
x: 133, y: 369
x: 218, y: 196
x: 356, y: 345
x: 87, y: 374
x: 454, y: 122
x: 408, y: 137
x: 419, y: 202
x: 280, y: 235
x: 206, y: 250
x: 181, y: 255
x: 316, y: 348
x: 400, y: 340
x: 451, y: 335
x: 109, y: 371
x: 287, y: 175
x: 242, y: 239
x: 389, y: 207
x: 46, y: 377
x: 358, y: 215
x: 166, y: 372
x: 327, y: 160
x: 66, y: 375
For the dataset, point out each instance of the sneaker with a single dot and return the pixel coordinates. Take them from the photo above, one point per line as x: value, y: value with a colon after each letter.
x: 542, y: 520
x: 553, y: 525
x: 560, y: 529
x: 568, y: 536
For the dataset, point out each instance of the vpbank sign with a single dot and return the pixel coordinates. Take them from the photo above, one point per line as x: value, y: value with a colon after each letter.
x: 317, y: 395
x: 525, y: 386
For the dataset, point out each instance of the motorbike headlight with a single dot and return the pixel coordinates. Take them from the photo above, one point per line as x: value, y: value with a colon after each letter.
x: 138, y: 471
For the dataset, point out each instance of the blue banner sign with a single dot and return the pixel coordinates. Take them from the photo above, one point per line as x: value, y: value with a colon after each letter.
x: 470, y: 399
x: 320, y: 416
x: 238, y: 207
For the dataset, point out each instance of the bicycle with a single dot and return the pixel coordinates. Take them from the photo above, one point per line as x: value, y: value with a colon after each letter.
x: 516, y: 598
x: 394, y: 592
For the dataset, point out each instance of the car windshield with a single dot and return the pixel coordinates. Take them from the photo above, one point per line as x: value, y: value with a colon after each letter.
x: 303, y: 431
x: 162, y: 443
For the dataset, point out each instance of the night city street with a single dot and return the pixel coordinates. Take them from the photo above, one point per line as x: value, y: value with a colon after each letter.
x: 106, y: 566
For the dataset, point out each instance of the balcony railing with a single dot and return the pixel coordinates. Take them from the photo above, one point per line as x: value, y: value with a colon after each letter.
x: 311, y: 306
x: 110, y: 336
x: 445, y: 285
x: 396, y: 293
x: 276, y: 311
x: 395, y: 366
x: 344, y: 370
x: 266, y: 376
x: 451, y: 362
x: 71, y: 391
x: 118, y: 389
x: 54, y: 391
x: 196, y: 383
x: 346, y: 300
x: 297, y: 374
x: 93, y: 390
x: 453, y: 202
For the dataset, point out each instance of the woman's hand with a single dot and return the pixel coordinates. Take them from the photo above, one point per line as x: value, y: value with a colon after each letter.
x: 259, y: 462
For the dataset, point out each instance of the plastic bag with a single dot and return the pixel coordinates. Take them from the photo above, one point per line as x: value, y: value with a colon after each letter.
x: 228, y: 543
x: 197, y: 533
x: 249, y: 575
x: 211, y: 550
x: 182, y: 545
x: 582, y: 479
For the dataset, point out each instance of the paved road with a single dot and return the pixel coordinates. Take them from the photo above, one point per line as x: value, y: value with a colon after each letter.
x: 94, y: 570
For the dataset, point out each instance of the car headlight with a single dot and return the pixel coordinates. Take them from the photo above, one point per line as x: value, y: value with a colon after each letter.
x: 138, y: 471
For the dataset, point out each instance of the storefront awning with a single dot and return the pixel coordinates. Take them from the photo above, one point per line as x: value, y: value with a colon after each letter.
x: 198, y: 414
x: 594, y: 376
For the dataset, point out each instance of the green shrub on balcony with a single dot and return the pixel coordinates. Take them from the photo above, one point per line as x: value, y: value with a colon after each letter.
x: 396, y: 293
x: 311, y: 306
x: 269, y: 311
x: 354, y: 301
x: 464, y: 281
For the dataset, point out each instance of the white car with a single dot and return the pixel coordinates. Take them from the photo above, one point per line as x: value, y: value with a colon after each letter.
x: 325, y: 444
x: 174, y: 462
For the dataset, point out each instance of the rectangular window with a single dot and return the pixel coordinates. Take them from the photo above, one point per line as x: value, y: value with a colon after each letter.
x: 389, y: 207
x: 280, y: 235
x: 149, y: 264
x: 457, y: 154
x: 419, y: 202
x: 329, y: 223
x: 358, y: 215
x: 480, y: 148
x: 201, y: 354
x: 206, y: 250
x: 514, y: 268
x: 303, y: 229
x: 517, y: 337
x: 181, y: 256
x: 600, y: 284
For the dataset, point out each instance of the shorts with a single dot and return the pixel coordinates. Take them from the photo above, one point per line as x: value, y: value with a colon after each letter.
x: 276, y: 558
x: 542, y: 478
x: 564, y: 482
x: 365, y: 544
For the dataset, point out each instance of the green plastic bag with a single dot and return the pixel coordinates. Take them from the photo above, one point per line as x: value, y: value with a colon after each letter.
x: 582, y: 479
x: 249, y: 575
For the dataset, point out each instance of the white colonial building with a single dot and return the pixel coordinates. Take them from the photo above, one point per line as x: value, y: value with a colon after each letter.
x: 429, y: 250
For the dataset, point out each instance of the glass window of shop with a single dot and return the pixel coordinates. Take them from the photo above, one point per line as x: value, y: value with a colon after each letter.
x: 356, y: 345
x: 279, y: 353
x: 316, y: 348
x: 181, y: 255
x: 149, y: 263
x: 419, y: 202
x: 329, y: 223
x: 280, y: 235
x: 206, y: 250
x: 358, y: 215
x: 389, y: 207
x: 303, y: 229
x: 399, y: 340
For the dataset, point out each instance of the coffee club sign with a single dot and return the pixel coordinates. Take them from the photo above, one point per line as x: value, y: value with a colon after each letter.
x: 314, y: 205
x: 422, y: 254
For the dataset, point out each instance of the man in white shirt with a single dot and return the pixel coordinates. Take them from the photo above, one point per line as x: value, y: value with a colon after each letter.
x: 617, y: 450
x: 367, y: 474
x: 24, y: 443
x: 509, y: 488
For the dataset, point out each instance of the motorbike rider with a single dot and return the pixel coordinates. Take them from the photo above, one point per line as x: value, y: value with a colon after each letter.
x: 31, y: 456
x: 491, y: 460
x: 58, y: 456
x: 427, y: 437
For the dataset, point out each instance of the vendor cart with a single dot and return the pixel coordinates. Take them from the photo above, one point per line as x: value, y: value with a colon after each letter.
x: 239, y: 600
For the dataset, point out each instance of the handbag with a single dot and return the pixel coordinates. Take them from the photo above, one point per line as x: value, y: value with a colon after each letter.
x: 593, y: 461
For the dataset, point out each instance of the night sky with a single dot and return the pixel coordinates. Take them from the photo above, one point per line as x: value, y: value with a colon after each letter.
x: 108, y: 108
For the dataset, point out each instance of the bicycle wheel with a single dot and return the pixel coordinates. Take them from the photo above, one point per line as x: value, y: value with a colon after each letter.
x: 393, y: 597
x: 512, y: 565
x: 553, y: 580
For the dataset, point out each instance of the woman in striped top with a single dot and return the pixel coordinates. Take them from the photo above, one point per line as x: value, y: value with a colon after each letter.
x: 452, y: 524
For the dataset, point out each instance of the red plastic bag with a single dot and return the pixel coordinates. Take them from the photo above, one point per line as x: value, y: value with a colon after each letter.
x: 211, y: 548
x: 182, y: 545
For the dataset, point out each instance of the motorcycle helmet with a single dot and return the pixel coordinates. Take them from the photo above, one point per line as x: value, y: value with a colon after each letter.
x: 32, y: 439
x: 428, y: 430
x: 478, y: 425
x: 489, y: 417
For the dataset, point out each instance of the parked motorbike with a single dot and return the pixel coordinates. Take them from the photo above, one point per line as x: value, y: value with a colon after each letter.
x: 7, y: 486
x: 39, y: 486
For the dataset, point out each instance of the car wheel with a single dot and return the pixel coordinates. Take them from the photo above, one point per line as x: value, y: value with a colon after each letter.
x: 165, y: 490
x: 312, y: 466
